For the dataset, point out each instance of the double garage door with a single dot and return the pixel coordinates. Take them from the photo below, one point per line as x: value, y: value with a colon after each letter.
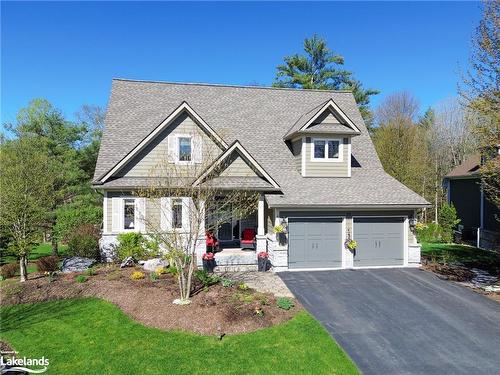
x: 319, y: 242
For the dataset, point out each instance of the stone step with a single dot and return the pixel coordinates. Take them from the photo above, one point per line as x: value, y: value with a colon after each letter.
x: 235, y: 268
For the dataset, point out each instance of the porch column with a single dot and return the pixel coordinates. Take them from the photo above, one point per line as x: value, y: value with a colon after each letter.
x: 261, y: 216
x: 261, y: 234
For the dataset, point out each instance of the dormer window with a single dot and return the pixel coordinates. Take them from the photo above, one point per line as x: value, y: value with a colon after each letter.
x: 185, y: 149
x: 326, y: 150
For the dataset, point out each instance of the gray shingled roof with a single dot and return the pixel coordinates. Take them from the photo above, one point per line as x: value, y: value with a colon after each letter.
x: 259, y: 118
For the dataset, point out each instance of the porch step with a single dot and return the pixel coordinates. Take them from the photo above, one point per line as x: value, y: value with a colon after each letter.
x: 235, y: 268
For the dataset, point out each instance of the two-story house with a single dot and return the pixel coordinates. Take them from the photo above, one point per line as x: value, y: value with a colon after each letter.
x: 306, y: 152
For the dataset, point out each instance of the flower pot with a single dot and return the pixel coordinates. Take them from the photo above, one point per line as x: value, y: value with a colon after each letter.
x: 209, y: 265
x: 262, y: 264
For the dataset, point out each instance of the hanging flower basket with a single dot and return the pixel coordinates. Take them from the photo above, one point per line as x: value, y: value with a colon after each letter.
x: 262, y: 261
x: 209, y: 262
x: 351, y: 245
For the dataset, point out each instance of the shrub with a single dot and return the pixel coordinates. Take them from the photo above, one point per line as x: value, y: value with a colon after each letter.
x: 134, y: 245
x: 206, y: 278
x: 428, y: 232
x: 81, y: 278
x: 243, y: 286
x: 137, y: 275
x: 48, y: 264
x: 284, y: 303
x: 9, y: 270
x: 227, y: 283
x: 160, y: 270
x: 448, y: 220
x: 84, y: 242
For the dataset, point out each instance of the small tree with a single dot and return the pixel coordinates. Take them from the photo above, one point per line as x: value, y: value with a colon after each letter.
x: 448, y: 220
x: 25, y: 193
x: 198, y: 207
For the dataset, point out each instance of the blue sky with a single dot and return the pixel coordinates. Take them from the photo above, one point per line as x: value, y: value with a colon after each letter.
x: 69, y: 52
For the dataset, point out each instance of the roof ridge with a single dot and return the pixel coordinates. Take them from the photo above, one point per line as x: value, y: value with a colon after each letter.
x: 228, y: 85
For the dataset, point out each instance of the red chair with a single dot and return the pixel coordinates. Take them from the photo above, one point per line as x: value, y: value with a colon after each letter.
x: 212, y: 243
x: 248, y: 239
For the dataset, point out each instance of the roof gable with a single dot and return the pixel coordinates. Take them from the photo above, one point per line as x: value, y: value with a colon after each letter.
x: 327, y: 113
x: 236, y: 162
x: 183, y: 108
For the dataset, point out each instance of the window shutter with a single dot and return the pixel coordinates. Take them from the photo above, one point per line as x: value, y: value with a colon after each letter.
x: 165, y: 214
x: 173, y: 149
x: 117, y: 214
x: 186, y: 213
x: 197, y: 149
x: 140, y: 214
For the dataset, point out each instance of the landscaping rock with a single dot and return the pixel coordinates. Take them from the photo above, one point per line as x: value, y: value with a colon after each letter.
x: 152, y: 264
x: 77, y: 264
x: 128, y: 262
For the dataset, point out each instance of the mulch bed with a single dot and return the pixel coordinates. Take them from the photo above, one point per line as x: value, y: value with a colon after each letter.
x: 453, y: 273
x: 218, y: 310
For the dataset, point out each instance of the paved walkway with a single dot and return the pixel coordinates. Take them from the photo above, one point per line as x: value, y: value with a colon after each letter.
x: 266, y: 282
x: 403, y: 321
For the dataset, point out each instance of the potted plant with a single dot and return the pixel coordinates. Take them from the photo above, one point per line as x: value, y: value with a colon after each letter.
x: 280, y: 234
x: 351, y: 244
x: 262, y: 261
x: 209, y: 262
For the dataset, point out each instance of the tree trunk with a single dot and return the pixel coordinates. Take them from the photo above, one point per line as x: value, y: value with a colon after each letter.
x: 23, y: 268
x: 55, y: 245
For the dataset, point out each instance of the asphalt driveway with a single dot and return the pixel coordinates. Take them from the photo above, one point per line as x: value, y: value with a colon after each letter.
x: 403, y: 321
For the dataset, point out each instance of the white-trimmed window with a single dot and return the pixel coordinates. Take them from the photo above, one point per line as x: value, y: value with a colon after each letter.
x: 177, y: 213
x: 323, y: 149
x: 128, y: 214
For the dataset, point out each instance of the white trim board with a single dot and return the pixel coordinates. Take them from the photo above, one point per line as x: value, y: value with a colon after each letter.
x: 184, y: 107
x: 238, y: 147
x: 330, y: 104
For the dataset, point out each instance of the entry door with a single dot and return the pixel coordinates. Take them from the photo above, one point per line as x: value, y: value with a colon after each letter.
x: 315, y: 242
x: 380, y: 241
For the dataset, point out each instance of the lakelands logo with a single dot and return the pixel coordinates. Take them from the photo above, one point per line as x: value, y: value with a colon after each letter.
x: 22, y: 365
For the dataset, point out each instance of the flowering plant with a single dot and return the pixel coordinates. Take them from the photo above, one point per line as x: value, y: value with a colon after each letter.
x: 263, y: 255
x: 208, y: 256
x: 279, y: 229
x: 351, y: 244
x: 420, y: 226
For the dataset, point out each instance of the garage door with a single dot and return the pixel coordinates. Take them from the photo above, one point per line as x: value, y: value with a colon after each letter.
x: 315, y: 242
x: 380, y: 241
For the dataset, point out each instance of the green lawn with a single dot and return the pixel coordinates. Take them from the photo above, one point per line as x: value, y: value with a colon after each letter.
x: 42, y: 250
x: 91, y: 336
x: 468, y: 255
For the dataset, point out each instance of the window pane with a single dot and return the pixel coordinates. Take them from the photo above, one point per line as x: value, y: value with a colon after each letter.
x: 319, y: 149
x: 177, y: 213
x: 333, y: 149
x: 129, y: 214
x: 184, y: 149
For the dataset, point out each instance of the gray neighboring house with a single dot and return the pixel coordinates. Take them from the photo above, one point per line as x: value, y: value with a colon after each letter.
x: 307, y: 152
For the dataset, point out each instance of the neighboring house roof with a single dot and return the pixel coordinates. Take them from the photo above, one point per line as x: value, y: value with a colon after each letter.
x: 258, y: 118
x: 469, y: 168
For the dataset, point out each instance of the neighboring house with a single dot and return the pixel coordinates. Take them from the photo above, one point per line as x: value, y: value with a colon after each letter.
x: 478, y: 216
x: 306, y: 152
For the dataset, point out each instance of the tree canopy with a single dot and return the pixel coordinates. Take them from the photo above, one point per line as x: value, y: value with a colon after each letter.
x: 321, y: 68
